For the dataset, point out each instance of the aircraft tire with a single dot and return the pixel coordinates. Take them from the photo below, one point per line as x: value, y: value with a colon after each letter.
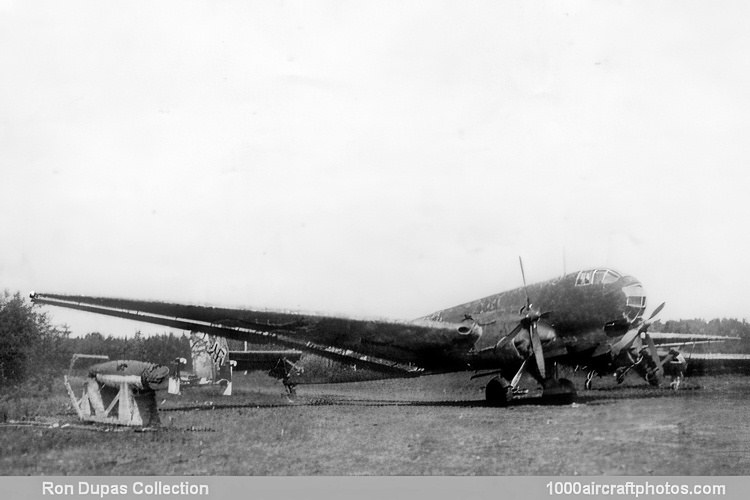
x: 498, y: 392
x: 559, y: 391
x: 653, y: 379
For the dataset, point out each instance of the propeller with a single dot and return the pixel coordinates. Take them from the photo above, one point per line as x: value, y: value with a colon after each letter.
x: 671, y: 356
x: 529, y: 322
x: 654, y: 356
x: 651, y: 345
x: 627, y: 340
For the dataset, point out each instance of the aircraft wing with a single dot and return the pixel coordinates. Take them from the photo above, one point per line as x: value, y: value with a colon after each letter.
x: 665, y: 339
x: 716, y: 364
x: 398, y: 347
x: 666, y: 345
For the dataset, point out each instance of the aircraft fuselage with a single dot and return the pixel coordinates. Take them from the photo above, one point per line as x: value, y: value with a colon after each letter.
x: 585, y: 311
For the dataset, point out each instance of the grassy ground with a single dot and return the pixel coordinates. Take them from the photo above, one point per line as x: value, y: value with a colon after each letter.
x: 429, y: 426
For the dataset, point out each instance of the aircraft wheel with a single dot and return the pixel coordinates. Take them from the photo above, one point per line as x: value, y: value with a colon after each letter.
x: 567, y: 386
x: 559, y: 391
x: 498, y: 392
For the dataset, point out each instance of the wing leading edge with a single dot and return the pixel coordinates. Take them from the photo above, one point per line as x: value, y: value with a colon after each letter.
x: 397, y: 347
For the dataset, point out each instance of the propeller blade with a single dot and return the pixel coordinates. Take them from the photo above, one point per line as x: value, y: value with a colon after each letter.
x: 626, y: 341
x: 650, y: 341
x: 530, y: 322
x: 654, y: 354
x: 536, y: 344
x: 656, y: 311
x: 669, y: 357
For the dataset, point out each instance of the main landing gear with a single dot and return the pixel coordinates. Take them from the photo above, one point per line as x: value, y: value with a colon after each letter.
x: 291, y: 390
x: 559, y: 391
x: 500, y: 392
x: 589, y: 380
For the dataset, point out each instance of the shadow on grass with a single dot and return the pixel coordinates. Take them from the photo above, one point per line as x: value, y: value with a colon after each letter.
x: 595, y: 396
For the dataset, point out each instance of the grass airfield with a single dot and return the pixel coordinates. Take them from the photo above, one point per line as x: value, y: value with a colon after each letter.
x: 436, y: 425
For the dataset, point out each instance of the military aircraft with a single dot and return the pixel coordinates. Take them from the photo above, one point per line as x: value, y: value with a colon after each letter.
x: 590, y: 318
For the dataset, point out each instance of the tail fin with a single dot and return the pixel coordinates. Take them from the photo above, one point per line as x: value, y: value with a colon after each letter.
x: 210, y: 362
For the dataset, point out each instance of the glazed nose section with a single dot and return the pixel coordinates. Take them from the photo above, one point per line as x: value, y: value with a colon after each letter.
x: 635, y: 298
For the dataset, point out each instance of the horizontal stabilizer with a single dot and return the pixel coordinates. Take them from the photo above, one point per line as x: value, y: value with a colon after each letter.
x: 262, y: 360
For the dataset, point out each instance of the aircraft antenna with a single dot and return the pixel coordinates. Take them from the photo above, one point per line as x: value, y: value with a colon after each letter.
x: 523, y: 276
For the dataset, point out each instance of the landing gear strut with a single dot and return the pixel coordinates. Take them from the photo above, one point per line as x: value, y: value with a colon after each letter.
x: 291, y: 390
x: 622, y: 371
x: 589, y: 380
x: 499, y: 392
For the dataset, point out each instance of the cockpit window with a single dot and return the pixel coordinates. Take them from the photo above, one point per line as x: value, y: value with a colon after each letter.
x: 635, y: 295
x: 611, y: 276
x: 597, y: 277
x: 636, y: 301
x: 584, y: 278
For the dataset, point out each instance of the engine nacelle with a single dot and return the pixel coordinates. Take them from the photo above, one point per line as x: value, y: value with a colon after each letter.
x: 522, y: 342
x: 508, y: 350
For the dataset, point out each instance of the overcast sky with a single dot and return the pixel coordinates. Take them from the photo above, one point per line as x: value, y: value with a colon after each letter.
x: 372, y: 158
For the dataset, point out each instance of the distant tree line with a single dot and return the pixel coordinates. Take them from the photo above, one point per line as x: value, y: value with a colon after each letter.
x: 161, y: 349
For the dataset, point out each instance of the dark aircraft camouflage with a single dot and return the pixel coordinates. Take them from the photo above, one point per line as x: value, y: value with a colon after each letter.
x: 591, y: 319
